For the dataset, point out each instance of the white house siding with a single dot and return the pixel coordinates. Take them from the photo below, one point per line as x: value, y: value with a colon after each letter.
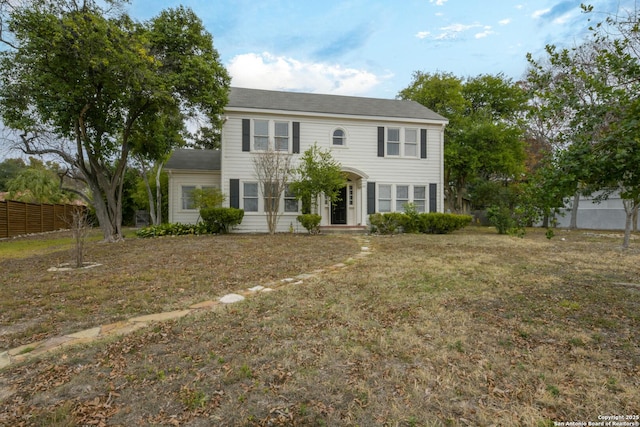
x: 359, y: 155
x: 178, y: 179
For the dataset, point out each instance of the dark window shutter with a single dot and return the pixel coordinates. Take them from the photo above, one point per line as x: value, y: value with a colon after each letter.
x: 371, y: 198
x: 433, y: 197
x: 234, y: 193
x: 380, y: 141
x: 296, y: 137
x: 246, y: 135
x: 423, y: 143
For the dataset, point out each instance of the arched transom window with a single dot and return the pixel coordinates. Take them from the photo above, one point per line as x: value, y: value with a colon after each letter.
x: 339, y: 137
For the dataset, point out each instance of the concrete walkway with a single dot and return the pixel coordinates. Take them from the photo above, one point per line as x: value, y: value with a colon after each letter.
x: 29, y: 351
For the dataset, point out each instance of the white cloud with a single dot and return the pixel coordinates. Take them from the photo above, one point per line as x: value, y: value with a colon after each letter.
x: 438, y: 2
x: 423, y: 34
x: 452, y: 31
x: 267, y: 71
x: 538, y: 13
x: 562, y: 19
x: 487, y: 31
x: 505, y: 21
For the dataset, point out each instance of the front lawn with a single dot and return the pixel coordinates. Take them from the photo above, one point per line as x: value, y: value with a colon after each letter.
x: 470, y: 328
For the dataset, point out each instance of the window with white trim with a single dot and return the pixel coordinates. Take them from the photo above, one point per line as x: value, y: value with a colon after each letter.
x: 393, y: 141
x: 420, y: 198
x: 281, y: 136
x: 411, y: 142
x: 271, y: 134
x: 290, y: 201
x: 187, y: 197
x: 402, y: 197
x: 250, y: 196
x: 260, y: 135
x: 384, y: 198
x: 339, y: 137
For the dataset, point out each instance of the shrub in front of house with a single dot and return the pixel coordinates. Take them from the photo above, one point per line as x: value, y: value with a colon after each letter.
x: 426, y: 223
x: 173, y: 229
x: 221, y: 220
x: 387, y: 223
x: 442, y: 223
x: 311, y: 222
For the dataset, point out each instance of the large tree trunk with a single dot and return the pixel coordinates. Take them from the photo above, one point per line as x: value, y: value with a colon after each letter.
x: 158, y: 219
x: 574, y: 211
x: 631, y: 211
x: 145, y: 178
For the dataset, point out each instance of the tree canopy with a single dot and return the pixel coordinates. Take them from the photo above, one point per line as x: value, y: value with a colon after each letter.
x: 484, y: 139
x: 594, y: 87
x: 87, y: 84
x: 317, y: 173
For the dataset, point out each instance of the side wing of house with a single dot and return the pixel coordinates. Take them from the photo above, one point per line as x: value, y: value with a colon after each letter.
x: 189, y: 170
x: 182, y: 183
x: 389, y: 161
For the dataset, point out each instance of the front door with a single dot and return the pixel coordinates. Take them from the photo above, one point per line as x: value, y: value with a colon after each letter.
x: 339, y: 208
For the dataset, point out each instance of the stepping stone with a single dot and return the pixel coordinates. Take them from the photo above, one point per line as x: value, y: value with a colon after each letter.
x: 204, y: 304
x: 159, y: 317
x: 364, y: 248
x: 88, y: 333
x: 256, y: 288
x: 121, y: 328
x: 267, y: 290
x: 5, y: 360
x: 287, y: 280
x: 231, y: 298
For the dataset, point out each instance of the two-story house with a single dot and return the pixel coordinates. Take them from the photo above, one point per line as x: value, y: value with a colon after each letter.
x: 391, y: 152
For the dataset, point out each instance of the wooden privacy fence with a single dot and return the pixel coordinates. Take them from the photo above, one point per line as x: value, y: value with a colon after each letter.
x: 17, y: 218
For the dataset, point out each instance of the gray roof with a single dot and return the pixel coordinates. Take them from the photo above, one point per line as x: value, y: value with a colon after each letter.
x: 190, y: 159
x: 329, y: 104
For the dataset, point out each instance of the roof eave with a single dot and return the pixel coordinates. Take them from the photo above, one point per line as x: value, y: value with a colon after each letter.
x: 334, y: 115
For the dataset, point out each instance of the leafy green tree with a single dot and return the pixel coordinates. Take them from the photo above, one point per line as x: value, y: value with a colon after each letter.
x: 9, y: 169
x: 483, y: 139
x: 595, y: 86
x: 37, y: 184
x: 317, y: 173
x: 91, y: 86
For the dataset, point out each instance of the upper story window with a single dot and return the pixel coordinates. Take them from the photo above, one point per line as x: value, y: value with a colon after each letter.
x: 260, y: 135
x: 281, y: 136
x: 270, y: 134
x: 411, y: 142
x: 402, y: 142
x: 393, y: 141
x: 339, y: 137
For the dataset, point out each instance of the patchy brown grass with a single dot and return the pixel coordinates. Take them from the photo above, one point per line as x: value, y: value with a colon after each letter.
x: 140, y: 276
x: 465, y: 329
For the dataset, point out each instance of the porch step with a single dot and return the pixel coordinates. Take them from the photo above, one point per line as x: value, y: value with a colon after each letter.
x: 343, y: 229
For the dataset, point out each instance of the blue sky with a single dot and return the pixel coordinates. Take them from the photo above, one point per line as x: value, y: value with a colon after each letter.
x: 372, y: 48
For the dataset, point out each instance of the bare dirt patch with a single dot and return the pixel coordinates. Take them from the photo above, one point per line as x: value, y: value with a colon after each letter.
x: 465, y: 329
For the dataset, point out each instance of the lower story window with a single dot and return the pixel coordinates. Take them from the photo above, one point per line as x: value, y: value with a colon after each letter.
x: 250, y: 196
x: 402, y: 197
x: 419, y: 198
x: 384, y: 198
x: 290, y: 201
x: 187, y: 197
